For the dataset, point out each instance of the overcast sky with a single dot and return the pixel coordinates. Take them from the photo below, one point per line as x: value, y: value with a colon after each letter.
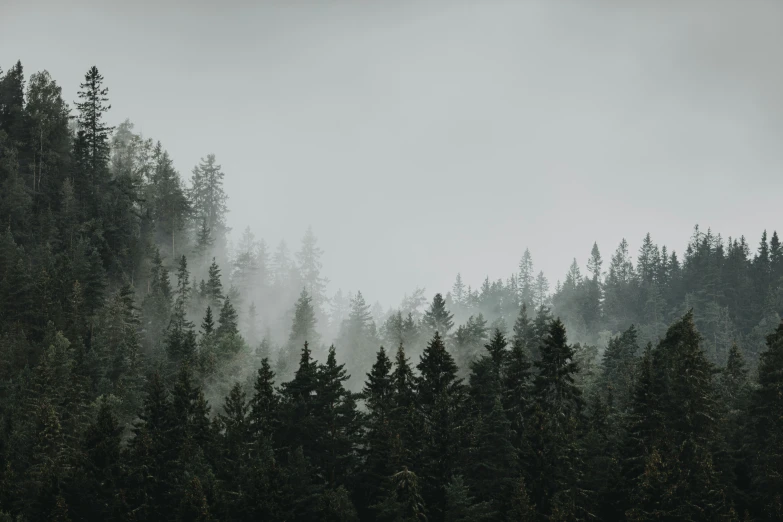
x: 425, y: 138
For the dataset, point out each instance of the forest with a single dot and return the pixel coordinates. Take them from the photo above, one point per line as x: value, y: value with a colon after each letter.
x: 156, y: 366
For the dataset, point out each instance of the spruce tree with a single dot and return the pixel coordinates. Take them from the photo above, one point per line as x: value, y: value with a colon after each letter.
x: 441, y: 403
x: 555, y: 424
x: 766, y: 430
x: 93, y: 139
x: 526, y: 280
x: 213, y: 289
x: 264, y: 404
x: 208, y: 324
x: 438, y: 318
x: 378, y: 395
x: 403, y: 501
x: 680, y: 448
x: 303, y: 325
x: 227, y: 322
x: 339, y: 419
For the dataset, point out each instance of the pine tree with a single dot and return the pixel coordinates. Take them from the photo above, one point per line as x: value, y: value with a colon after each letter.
x: 235, y: 426
x: 309, y: 264
x: 12, y: 103
x: 461, y: 506
x: 403, y: 502
x: 555, y: 423
x: 208, y: 196
x: 591, y: 310
x: 213, y: 289
x: 103, y: 467
x: 766, y: 430
x: 194, y: 507
x: 492, y: 461
x: 340, y: 422
x: 441, y: 400
x: 264, y: 404
x: 303, y: 325
x: 681, y: 444
x: 516, y: 389
x: 208, y: 324
x: 227, y: 322
x: 300, y: 425
x: 378, y: 395
x: 526, y: 281
x: 619, y: 363
x: 438, y: 318
x: 93, y: 138
x: 541, y: 290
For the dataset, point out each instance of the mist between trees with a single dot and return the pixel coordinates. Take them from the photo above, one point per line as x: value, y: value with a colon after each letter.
x: 150, y: 369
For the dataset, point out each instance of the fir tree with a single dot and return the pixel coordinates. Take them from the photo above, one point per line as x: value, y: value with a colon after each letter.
x: 441, y: 400
x: 766, y: 430
x: 213, y: 289
x: 555, y: 422
x: 264, y: 404
x: 438, y: 318
x: 93, y: 138
x: 227, y: 322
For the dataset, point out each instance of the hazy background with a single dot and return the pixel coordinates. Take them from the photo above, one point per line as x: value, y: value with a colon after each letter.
x: 425, y: 138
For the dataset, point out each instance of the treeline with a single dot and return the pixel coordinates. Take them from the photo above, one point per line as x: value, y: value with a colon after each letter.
x: 150, y: 369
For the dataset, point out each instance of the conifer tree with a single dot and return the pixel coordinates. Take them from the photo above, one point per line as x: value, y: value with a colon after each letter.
x: 264, y: 404
x: 441, y: 402
x: 235, y: 427
x: 526, y: 280
x: 682, y: 440
x: 303, y: 325
x: 310, y: 265
x: 93, y: 139
x: 340, y: 422
x: 227, y: 322
x: 619, y: 365
x: 378, y: 395
x: 208, y: 324
x: 493, y: 466
x: 438, y: 318
x: 403, y: 502
x: 766, y: 430
x: 213, y: 288
x: 208, y: 196
x: 555, y: 423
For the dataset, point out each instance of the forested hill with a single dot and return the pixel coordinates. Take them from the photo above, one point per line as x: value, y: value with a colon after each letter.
x: 150, y: 369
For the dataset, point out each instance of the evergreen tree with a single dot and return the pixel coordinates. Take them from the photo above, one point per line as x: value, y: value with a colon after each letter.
x: 441, y: 402
x: 213, y: 289
x: 766, y: 430
x: 555, y: 424
x: 303, y: 325
x: 227, y: 322
x: 309, y: 264
x: 403, y: 502
x: 493, y: 461
x: 264, y: 404
x: 681, y: 440
x: 340, y: 421
x: 438, y: 318
x: 526, y: 281
x: 378, y: 395
x: 208, y: 197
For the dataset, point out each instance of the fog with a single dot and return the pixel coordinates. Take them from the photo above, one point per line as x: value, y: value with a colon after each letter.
x: 422, y: 139
x: 407, y: 260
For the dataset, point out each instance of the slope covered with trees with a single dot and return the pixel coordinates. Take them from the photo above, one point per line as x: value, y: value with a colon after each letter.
x: 153, y: 369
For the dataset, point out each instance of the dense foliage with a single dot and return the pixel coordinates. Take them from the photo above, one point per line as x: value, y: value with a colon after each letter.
x: 152, y: 370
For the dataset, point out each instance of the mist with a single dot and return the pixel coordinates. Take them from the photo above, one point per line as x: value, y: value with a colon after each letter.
x: 449, y: 136
x: 421, y: 260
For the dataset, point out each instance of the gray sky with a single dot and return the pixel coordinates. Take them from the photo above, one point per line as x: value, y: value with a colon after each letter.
x: 423, y: 138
